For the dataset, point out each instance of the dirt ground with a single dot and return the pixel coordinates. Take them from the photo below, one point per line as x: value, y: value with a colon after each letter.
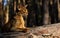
x: 45, y: 31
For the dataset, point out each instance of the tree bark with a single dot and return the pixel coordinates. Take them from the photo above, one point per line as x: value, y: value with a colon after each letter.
x: 58, y: 10
x: 46, y: 12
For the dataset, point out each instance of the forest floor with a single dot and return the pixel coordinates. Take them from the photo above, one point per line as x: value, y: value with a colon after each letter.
x: 45, y: 31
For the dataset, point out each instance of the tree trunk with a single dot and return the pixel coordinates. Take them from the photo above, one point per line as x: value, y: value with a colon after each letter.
x: 58, y: 10
x: 46, y: 12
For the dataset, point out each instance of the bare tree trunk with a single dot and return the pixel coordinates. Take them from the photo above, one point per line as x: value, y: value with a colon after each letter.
x: 7, y: 15
x: 1, y: 15
x: 46, y: 12
x: 5, y: 12
x: 58, y: 10
x: 14, y: 5
x: 11, y: 9
x: 55, y: 10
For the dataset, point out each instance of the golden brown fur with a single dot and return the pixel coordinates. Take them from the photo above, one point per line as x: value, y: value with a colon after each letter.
x: 20, y: 23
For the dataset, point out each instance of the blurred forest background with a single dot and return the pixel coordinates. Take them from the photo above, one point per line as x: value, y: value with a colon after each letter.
x: 40, y: 12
